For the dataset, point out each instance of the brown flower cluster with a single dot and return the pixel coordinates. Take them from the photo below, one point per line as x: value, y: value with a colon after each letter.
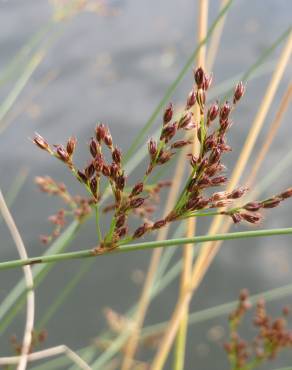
x: 272, y: 336
x: 38, y: 338
x: 78, y: 207
x: 206, y: 170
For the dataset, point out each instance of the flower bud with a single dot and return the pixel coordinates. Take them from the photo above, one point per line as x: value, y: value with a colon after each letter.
x: 238, y: 92
x: 120, y: 221
x: 252, y: 206
x: 217, y: 181
x: 136, y: 202
x: 185, y: 120
x: 117, y: 156
x: 137, y: 189
x: 168, y: 113
x: 180, y: 144
x: 93, y: 147
x: 224, y: 111
x: 152, y: 148
x: 158, y: 224
x: 141, y: 231
x: 237, y: 193
x: 122, y: 232
x: 89, y: 170
x: 286, y: 194
x: 252, y: 218
x: 199, y: 76
x: 100, y: 132
x: 82, y: 177
x: 93, y: 186
x: 62, y: 154
x: 41, y: 142
x: 106, y: 170
x: 164, y: 156
x: 207, y: 81
x: 213, y: 112
x: 71, y: 145
x: 191, y: 99
x: 120, y: 182
x: 271, y: 203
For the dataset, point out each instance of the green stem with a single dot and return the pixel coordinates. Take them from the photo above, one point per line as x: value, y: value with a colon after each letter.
x: 99, y: 234
x: 146, y: 245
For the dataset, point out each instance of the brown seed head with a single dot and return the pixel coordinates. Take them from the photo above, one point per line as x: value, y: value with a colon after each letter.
x: 159, y: 224
x: 224, y: 112
x: 117, y: 156
x: 271, y: 203
x: 252, y: 218
x: 71, y: 145
x: 41, y: 142
x: 140, y: 231
x: 100, y: 132
x: 93, y: 186
x: 82, y: 177
x: 237, y: 193
x: 191, y: 99
x: 152, y: 148
x: 94, y: 147
x: 137, y: 189
x: 286, y: 194
x: 213, y: 112
x: 180, y: 144
x: 89, y: 170
x: 136, y: 202
x: 238, y: 92
x: 168, y: 113
x: 199, y: 76
x: 106, y: 171
x: 252, y: 206
x: 121, y: 221
x: 62, y: 154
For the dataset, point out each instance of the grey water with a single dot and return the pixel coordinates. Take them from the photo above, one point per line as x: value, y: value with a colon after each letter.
x: 115, y: 68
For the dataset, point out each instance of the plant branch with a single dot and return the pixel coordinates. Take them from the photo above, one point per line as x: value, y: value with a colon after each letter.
x: 142, y: 246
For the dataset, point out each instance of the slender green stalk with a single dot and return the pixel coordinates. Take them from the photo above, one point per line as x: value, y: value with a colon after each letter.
x: 146, y: 245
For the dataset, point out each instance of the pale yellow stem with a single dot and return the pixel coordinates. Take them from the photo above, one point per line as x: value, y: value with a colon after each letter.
x: 143, y: 304
x: 215, y: 39
x: 179, y: 355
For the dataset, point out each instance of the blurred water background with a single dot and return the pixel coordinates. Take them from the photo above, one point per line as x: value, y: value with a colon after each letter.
x: 115, y: 69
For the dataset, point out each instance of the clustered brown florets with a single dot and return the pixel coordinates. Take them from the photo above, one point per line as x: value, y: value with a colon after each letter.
x: 272, y: 336
x: 206, y: 170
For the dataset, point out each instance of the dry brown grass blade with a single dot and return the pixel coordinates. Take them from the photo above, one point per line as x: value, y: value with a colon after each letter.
x: 271, y: 134
x: 191, y: 222
x: 28, y: 277
x: 50, y: 352
x: 215, y: 40
x: 210, y: 249
x: 154, y: 263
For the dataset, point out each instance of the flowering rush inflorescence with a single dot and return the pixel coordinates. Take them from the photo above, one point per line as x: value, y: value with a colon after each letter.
x: 139, y: 199
x: 272, y: 336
